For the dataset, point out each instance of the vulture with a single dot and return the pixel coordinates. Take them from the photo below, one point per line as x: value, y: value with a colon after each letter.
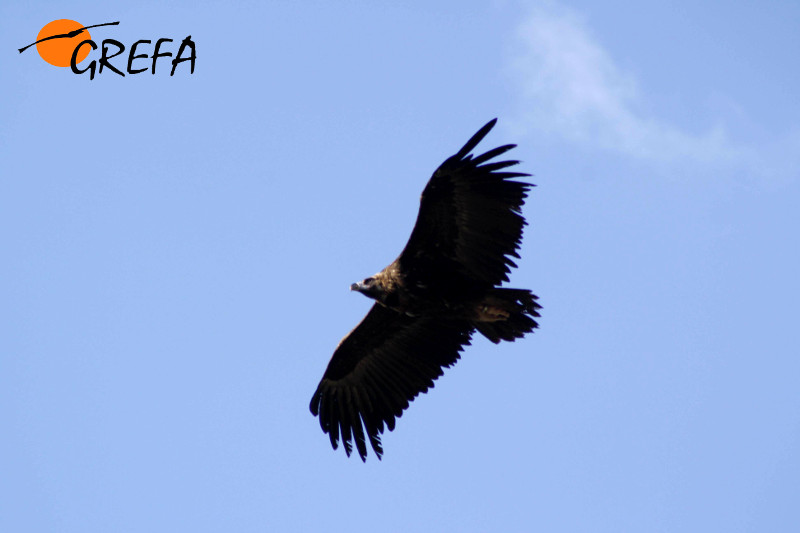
x: 428, y: 302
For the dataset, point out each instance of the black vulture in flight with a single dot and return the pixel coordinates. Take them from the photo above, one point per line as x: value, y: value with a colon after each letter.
x: 429, y: 301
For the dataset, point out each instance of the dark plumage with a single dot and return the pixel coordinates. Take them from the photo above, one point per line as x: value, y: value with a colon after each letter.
x: 429, y: 301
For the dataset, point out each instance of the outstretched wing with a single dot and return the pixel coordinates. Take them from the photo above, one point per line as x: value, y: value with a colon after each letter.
x: 377, y: 369
x: 469, y: 223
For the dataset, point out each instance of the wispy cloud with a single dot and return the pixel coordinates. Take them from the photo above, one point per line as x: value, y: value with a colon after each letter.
x: 572, y: 87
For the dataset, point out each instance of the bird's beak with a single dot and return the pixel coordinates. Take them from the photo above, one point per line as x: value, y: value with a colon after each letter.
x: 365, y: 287
x: 356, y: 287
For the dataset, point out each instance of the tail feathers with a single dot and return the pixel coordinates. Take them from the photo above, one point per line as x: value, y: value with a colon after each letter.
x: 521, y: 307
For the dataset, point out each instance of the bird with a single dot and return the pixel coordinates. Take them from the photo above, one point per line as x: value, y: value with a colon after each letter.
x: 444, y: 286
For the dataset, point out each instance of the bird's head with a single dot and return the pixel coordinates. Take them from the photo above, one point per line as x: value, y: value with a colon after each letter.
x: 370, y: 287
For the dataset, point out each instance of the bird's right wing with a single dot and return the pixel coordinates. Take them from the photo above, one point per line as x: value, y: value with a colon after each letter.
x: 378, y: 368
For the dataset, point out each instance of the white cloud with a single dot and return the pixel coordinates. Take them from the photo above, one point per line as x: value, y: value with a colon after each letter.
x: 571, y: 87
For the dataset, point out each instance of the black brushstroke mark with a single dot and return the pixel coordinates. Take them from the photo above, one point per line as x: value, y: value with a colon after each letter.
x: 69, y: 35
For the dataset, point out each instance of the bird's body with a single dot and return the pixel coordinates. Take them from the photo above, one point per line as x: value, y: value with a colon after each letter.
x: 429, y: 301
x: 456, y: 301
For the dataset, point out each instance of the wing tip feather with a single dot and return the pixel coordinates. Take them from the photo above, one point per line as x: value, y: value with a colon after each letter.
x: 475, y: 139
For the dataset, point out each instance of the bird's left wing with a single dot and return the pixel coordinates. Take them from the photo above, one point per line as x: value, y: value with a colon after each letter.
x: 470, y: 221
x: 377, y: 369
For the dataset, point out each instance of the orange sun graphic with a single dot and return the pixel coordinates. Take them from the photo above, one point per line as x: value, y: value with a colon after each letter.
x: 58, y: 52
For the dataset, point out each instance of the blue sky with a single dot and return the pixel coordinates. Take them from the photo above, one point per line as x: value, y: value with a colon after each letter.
x: 177, y: 253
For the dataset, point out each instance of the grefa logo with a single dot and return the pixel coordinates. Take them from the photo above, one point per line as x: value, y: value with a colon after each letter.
x: 66, y: 43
